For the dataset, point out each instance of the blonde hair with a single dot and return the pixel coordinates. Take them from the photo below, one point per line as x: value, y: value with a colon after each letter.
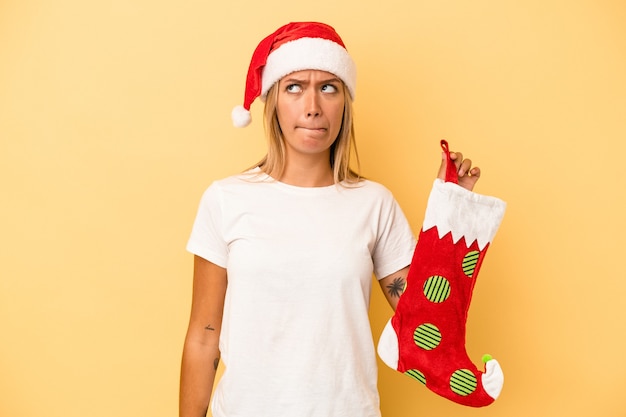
x: 341, y: 151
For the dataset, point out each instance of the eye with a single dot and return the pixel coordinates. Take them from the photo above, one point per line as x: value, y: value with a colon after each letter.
x: 293, y: 88
x: 329, y: 88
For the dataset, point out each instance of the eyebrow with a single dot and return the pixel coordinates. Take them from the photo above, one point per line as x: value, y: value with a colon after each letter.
x: 303, y: 81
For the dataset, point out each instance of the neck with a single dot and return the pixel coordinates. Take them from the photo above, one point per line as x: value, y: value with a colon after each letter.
x: 308, y: 172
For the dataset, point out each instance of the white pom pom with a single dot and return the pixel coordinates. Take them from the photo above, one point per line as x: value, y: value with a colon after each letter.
x: 241, y: 117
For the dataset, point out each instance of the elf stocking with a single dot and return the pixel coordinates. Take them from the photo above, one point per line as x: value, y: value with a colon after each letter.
x: 425, y: 338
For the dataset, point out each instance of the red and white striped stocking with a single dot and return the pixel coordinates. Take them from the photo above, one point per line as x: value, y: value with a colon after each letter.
x: 425, y: 339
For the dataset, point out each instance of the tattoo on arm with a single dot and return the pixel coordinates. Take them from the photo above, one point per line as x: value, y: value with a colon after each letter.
x: 208, y: 327
x: 216, y: 362
x: 396, y: 288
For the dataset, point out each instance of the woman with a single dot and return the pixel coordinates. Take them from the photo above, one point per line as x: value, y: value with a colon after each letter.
x: 284, y: 253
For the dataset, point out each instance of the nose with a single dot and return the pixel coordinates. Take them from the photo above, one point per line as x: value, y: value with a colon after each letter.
x: 312, y: 108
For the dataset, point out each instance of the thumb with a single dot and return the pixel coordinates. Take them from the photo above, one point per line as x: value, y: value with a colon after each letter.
x: 442, y: 167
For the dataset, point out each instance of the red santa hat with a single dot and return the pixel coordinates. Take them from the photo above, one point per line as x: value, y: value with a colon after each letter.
x: 294, y: 47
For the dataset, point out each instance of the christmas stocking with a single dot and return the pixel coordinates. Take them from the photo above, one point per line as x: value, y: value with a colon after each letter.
x: 425, y: 339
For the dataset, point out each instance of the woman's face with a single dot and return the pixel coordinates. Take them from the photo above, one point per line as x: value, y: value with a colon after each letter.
x: 310, y: 111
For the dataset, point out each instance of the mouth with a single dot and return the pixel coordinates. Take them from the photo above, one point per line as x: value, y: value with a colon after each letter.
x: 313, y: 128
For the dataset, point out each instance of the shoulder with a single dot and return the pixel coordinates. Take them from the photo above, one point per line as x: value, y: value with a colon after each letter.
x: 241, y: 188
x: 367, y: 195
x: 372, y: 188
x: 244, y: 179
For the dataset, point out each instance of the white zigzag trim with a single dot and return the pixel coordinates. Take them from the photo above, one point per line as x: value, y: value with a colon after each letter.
x: 464, y: 213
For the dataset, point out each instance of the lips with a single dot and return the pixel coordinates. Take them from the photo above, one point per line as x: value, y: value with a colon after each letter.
x: 313, y: 128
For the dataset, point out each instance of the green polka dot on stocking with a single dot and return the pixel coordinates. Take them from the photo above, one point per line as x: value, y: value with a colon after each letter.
x: 417, y: 375
x: 463, y: 382
x: 427, y: 336
x: 437, y: 289
x: 469, y: 262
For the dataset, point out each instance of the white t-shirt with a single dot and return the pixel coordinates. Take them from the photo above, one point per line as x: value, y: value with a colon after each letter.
x: 296, y: 339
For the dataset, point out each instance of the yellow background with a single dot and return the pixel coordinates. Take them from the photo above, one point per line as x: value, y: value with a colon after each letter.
x: 115, y: 115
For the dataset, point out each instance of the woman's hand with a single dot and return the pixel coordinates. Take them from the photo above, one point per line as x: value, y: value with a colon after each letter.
x: 468, y: 176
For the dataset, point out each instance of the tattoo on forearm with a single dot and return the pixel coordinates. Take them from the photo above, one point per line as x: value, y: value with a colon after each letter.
x: 396, y: 288
x: 216, y: 362
x: 209, y: 327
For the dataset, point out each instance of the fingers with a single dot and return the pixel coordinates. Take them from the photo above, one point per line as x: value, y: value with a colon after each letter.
x: 467, y: 175
x: 457, y: 157
x: 468, y: 178
x: 465, y: 166
x: 474, y: 172
x: 462, y: 165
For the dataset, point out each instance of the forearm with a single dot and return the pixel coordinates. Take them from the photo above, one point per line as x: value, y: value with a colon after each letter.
x: 198, y: 369
x: 201, y: 350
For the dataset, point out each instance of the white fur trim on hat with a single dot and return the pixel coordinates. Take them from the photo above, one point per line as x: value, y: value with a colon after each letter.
x: 309, y: 54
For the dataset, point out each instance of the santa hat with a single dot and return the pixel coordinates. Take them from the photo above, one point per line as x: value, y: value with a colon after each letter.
x: 294, y: 47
